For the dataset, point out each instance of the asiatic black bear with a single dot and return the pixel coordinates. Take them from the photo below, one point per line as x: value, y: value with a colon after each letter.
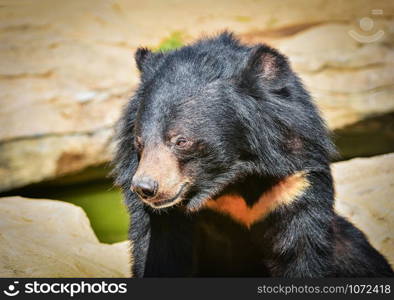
x: 224, y: 163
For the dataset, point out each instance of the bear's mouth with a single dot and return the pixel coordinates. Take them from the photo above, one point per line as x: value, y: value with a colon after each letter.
x: 169, y: 202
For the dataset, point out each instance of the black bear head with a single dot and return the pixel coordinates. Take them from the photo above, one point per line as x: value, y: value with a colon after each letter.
x: 209, y: 114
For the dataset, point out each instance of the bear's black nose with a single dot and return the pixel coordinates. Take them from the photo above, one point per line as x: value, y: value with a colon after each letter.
x: 145, y: 187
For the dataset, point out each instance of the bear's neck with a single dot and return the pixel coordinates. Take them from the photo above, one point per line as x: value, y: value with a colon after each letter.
x: 251, y: 199
x: 251, y: 188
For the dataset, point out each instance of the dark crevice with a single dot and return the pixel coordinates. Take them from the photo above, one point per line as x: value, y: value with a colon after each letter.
x: 373, y: 136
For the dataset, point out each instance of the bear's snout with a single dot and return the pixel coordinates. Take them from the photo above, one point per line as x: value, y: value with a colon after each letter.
x: 158, y: 180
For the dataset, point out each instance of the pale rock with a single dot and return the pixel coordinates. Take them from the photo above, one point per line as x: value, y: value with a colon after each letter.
x: 48, y: 238
x: 365, y: 189
x: 26, y: 161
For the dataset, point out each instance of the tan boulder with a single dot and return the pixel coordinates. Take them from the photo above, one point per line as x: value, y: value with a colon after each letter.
x: 365, y: 189
x: 48, y: 238
x: 26, y: 161
x: 350, y: 81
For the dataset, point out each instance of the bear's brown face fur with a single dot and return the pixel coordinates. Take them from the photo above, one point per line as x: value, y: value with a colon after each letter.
x: 159, y: 164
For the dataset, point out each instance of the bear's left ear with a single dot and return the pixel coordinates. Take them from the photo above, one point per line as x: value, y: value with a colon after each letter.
x: 268, y: 66
x: 140, y: 57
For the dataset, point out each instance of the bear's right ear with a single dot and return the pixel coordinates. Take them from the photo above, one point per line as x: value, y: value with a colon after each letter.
x: 140, y: 57
x: 267, y: 66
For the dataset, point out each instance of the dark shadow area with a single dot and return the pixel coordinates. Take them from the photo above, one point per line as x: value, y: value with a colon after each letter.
x: 369, y: 137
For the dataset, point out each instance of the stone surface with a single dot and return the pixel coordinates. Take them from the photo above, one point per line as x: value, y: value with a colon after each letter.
x: 30, y: 160
x: 66, y: 68
x: 365, y: 189
x: 47, y: 238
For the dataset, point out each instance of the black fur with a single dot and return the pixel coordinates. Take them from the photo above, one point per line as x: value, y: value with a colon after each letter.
x: 253, y: 124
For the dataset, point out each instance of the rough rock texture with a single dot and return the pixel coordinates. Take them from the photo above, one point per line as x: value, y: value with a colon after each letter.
x: 30, y: 160
x: 66, y: 67
x: 47, y: 238
x: 365, y: 189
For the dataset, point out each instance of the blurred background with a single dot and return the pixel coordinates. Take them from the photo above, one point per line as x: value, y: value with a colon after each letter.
x: 67, y: 68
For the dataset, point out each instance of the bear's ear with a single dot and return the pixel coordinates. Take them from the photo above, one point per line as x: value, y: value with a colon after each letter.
x: 268, y: 66
x: 140, y: 57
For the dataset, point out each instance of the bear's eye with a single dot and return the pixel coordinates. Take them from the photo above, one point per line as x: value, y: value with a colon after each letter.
x: 181, y: 142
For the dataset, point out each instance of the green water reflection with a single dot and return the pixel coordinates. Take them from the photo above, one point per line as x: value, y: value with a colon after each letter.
x: 104, y: 206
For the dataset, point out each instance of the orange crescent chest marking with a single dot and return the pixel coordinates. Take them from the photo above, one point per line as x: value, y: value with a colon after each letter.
x: 283, y: 193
